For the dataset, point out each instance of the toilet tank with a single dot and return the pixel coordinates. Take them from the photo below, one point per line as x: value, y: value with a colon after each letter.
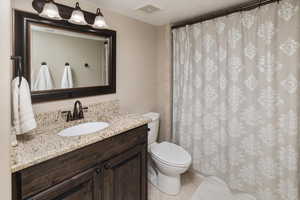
x: 153, y: 126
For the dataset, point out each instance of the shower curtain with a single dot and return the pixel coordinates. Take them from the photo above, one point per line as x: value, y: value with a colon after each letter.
x: 235, y: 98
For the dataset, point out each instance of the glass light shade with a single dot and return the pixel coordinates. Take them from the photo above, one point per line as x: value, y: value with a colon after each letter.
x: 50, y: 11
x: 77, y: 16
x: 99, y: 22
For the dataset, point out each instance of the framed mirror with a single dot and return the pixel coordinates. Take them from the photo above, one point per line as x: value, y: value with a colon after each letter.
x: 62, y: 60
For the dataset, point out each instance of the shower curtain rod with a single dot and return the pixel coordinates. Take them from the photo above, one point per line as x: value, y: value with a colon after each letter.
x: 220, y: 13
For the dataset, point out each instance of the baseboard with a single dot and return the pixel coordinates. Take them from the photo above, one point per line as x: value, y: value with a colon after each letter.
x: 195, y: 173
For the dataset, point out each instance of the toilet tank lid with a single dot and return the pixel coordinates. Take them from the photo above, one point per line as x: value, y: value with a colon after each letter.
x: 152, y: 115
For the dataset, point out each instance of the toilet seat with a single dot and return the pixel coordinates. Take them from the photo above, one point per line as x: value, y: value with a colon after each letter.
x: 171, y: 154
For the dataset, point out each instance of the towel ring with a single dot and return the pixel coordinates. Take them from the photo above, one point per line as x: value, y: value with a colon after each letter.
x: 260, y: 2
x: 19, y: 70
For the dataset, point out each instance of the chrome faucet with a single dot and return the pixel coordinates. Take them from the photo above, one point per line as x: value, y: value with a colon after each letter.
x: 77, y: 112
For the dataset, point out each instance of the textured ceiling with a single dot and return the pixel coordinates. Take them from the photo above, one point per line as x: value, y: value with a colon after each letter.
x: 171, y: 10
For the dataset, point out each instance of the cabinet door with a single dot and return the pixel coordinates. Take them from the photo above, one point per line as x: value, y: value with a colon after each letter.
x: 125, y: 176
x: 84, y: 186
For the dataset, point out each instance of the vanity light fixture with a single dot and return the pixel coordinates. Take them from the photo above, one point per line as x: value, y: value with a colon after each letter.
x: 77, y: 16
x: 99, y: 20
x: 50, y: 11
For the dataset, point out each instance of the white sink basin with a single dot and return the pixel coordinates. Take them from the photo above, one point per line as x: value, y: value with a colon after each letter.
x: 83, y: 129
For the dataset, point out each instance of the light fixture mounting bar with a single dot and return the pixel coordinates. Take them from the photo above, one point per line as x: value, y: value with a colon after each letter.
x: 64, y: 11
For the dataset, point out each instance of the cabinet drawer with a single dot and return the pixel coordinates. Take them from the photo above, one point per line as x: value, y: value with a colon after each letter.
x: 40, y: 177
x: 84, y: 186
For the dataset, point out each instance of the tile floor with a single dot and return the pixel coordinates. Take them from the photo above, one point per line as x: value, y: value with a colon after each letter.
x: 190, y: 183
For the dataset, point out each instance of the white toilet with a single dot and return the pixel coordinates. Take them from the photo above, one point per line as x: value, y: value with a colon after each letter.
x: 169, y: 160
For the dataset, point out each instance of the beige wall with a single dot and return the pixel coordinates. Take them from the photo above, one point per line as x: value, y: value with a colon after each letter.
x: 136, y: 62
x: 164, y: 80
x: 5, y: 72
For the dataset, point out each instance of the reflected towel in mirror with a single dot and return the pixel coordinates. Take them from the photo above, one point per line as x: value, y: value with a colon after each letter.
x: 67, y: 79
x: 43, y: 80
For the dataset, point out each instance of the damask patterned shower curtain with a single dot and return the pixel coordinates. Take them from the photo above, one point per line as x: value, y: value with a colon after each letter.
x: 235, y: 98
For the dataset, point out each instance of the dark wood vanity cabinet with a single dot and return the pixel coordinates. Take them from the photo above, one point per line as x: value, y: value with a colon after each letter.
x: 112, y: 169
x: 124, y: 176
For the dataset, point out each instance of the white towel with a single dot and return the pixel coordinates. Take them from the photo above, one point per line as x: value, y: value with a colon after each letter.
x: 213, y: 188
x: 23, y: 116
x: 43, y: 80
x: 67, y: 80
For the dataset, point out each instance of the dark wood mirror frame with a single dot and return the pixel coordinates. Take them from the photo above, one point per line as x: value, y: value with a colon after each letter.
x: 22, y: 48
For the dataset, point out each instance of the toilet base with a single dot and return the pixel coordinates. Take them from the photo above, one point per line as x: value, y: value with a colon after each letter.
x: 167, y: 184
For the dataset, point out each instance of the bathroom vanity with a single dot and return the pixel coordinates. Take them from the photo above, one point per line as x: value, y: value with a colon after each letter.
x: 109, y: 164
x: 112, y: 169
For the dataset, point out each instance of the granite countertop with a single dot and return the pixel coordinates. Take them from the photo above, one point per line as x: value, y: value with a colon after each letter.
x: 34, y: 149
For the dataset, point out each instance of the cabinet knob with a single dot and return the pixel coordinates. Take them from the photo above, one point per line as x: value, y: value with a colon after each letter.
x: 107, y: 166
x: 98, y: 170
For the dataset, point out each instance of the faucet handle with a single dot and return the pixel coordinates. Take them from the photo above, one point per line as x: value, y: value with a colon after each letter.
x: 83, y: 110
x: 64, y: 113
x: 67, y: 114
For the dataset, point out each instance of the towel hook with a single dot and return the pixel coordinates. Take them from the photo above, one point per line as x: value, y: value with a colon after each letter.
x: 260, y: 3
x: 19, y: 70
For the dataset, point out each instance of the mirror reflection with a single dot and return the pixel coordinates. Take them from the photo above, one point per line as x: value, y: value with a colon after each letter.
x: 62, y: 59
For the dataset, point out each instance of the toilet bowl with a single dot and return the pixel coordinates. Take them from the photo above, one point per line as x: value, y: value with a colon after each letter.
x: 169, y: 160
